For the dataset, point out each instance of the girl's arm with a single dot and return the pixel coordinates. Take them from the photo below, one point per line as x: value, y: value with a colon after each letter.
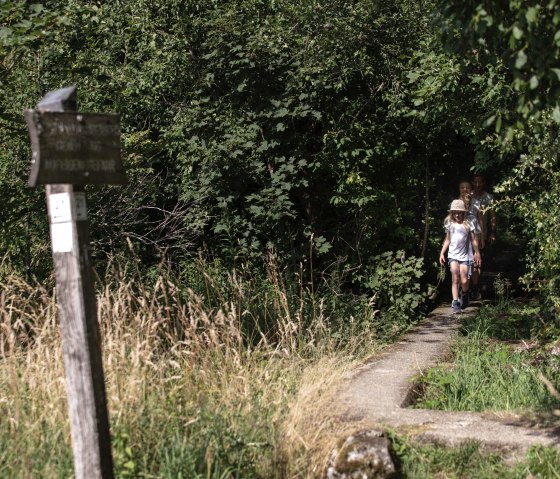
x: 444, y: 247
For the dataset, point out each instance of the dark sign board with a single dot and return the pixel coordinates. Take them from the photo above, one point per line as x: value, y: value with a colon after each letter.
x: 74, y: 148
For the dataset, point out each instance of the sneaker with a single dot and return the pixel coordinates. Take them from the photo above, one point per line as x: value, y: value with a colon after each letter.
x: 465, y: 300
x: 456, y: 306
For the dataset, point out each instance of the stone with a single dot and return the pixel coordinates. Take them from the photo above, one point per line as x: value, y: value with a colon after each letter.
x: 362, y: 455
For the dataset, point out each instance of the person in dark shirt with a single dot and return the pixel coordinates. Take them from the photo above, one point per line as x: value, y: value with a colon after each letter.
x: 481, y: 206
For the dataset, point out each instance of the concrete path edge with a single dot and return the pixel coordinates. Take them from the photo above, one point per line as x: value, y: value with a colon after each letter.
x: 378, y: 393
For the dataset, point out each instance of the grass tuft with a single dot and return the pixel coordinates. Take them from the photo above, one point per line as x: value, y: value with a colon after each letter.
x: 495, y: 367
x: 231, y: 380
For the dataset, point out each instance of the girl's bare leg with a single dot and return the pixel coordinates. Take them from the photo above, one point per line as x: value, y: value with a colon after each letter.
x: 464, y: 269
x: 455, y: 279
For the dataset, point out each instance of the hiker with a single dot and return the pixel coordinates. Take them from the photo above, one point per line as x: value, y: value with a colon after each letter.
x: 474, y: 216
x: 458, y: 240
x: 481, y: 202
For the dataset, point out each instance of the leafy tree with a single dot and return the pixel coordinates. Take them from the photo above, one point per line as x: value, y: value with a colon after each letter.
x: 520, y: 40
x: 23, y: 224
x: 277, y: 126
x: 522, y: 36
x: 288, y: 136
x: 334, y: 131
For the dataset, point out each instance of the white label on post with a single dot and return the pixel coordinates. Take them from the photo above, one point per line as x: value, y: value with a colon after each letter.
x: 61, y: 237
x: 81, y: 207
x: 59, y: 208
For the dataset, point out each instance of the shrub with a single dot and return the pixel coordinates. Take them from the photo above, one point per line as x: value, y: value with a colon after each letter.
x: 395, y: 283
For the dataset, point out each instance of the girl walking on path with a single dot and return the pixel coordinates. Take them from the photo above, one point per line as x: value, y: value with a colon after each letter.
x: 459, y: 240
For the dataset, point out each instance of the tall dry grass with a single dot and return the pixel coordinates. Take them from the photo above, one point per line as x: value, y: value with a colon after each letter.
x: 195, y: 388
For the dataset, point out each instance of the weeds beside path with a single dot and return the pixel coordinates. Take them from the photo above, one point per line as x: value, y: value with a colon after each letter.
x: 497, y: 365
x: 505, y: 366
x: 489, y: 409
x: 190, y: 393
x: 231, y: 377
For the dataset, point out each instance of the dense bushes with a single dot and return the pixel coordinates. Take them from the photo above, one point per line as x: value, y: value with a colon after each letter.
x: 518, y: 42
x: 276, y: 127
x: 259, y: 127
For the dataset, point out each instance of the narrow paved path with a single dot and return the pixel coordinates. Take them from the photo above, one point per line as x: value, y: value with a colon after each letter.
x: 378, y: 394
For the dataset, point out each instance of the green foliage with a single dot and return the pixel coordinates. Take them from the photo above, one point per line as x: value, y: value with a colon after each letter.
x: 502, y: 288
x: 190, y: 394
x: 396, y: 286
x: 268, y: 122
x: 540, y: 462
x: 522, y: 36
x: 51, y: 455
x: 23, y: 223
x: 306, y: 130
x: 492, y: 71
x: 532, y: 194
x: 488, y: 375
x: 27, y: 24
x: 279, y: 142
x: 123, y: 456
x: 219, y: 444
x: 421, y: 462
x: 517, y: 322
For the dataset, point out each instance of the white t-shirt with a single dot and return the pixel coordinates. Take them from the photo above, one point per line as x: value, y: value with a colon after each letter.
x: 460, y: 247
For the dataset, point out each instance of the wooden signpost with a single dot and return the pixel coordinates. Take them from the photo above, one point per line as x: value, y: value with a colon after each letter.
x: 72, y: 149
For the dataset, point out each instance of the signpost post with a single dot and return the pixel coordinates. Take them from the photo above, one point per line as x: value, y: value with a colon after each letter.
x: 70, y: 150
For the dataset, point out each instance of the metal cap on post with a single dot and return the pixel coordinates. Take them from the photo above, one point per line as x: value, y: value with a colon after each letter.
x: 63, y: 99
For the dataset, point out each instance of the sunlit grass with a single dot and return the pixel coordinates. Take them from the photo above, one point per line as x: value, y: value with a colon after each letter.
x: 470, y: 461
x: 496, y: 366
x: 190, y: 394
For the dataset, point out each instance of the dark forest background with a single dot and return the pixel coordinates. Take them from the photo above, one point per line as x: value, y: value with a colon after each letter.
x: 327, y: 137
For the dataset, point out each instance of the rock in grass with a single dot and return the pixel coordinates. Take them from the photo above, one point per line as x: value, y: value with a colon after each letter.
x: 362, y: 455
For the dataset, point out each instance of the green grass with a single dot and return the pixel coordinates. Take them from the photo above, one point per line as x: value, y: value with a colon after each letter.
x: 172, y: 436
x: 468, y: 461
x: 496, y: 365
x: 237, y: 387
x: 191, y: 396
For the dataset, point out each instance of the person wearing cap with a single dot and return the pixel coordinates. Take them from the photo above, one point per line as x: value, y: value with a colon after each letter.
x: 474, y: 215
x: 459, y: 239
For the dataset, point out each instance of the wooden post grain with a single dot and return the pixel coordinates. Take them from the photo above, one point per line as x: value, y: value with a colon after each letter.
x: 91, y: 442
x: 89, y: 421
